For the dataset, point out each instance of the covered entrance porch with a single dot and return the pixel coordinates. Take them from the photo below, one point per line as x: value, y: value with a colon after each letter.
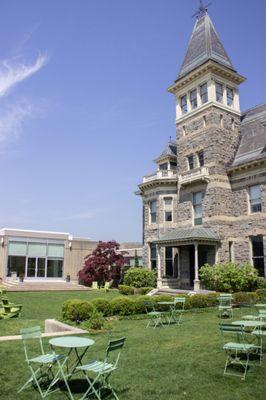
x: 190, y: 248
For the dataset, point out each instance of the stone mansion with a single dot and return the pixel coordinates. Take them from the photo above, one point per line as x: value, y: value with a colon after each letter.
x: 206, y: 201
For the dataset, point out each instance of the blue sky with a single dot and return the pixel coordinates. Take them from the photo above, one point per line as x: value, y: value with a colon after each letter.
x: 84, y: 108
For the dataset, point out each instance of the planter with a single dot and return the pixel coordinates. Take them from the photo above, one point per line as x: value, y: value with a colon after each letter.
x: 68, y: 278
x: 21, y: 278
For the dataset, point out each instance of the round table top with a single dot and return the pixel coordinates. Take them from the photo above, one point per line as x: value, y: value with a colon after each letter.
x: 71, y: 341
x: 248, y: 323
x: 166, y: 302
x: 260, y: 305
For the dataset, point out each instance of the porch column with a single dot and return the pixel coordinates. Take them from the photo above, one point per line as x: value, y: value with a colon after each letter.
x: 159, y: 266
x: 196, y: 280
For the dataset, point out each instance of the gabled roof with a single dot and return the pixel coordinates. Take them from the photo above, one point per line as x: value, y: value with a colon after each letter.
x: 170, y: 150
x: 253, y: 136
x: 204, y: 45
x: 188, y: 234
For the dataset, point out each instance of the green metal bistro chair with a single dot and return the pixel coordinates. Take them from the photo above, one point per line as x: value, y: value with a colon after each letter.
x: 44, y: 374
x: 102, y: 370
x: 155, y: 317
x: 238, y: 351
x: 225, y: 305
x: 178, y: 310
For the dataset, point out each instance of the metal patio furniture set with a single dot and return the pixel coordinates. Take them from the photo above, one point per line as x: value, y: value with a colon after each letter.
x: 245, y: 345
x: 172, y: 313
x: 54, y: 370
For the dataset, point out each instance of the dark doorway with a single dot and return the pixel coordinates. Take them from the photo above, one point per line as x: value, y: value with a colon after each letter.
x: 202, y: 254
x: 191, y: 250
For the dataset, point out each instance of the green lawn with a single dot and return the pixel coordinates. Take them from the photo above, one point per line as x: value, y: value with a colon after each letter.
x: 177, y: 362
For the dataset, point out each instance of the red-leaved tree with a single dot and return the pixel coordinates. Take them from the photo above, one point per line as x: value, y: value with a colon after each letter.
x: 105, y: 263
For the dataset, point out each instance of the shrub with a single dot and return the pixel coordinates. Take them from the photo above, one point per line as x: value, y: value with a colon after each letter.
x: 77, y: 310
x: 125, y: 289
x: 103, y: 306
x: 140, y: 277
x: 139, y: 307
x: 145, y: 290
x: 261, y: 293
x: 245, y: 297
x: 96, y: 321
x: 122, y: 306
x: 261, y: 282
x: 162, y: 297
x: 229, y: 277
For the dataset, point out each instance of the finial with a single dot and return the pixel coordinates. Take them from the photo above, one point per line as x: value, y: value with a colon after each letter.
x: 202, y: 10
x: 170, y: 138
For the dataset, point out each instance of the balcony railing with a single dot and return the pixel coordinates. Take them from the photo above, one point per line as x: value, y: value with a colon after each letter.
x: 162, y: 174
x: 201, y: 174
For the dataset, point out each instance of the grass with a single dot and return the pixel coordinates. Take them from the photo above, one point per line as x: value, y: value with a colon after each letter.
x: 177, y: 362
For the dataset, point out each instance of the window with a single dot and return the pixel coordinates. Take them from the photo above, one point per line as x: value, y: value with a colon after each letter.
x: 201, y: 158
x: 230, y: 249
x: 204, y: 93
x: 163, y: 167
x: 190, y: 160
x: 184, y: 104
x: 197, y: 208
x: 219, y: 92
x: 153, y: 256
x: 16, y: 264
x: 255, y: 198
x: 173, y: 165
x: 221, y: 120
x: 193, y: 99
x: 153, y: 206
x: 169, y: 261
x: 258, y: 254
x: 168, y: 209
x: 229, y: 96
x: 204, y: 121
x: 54, y: 268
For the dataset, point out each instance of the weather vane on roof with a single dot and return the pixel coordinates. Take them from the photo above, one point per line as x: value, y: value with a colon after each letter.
x: 202, y: 10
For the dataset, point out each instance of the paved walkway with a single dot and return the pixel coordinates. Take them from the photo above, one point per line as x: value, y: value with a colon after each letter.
x: 32, y: 286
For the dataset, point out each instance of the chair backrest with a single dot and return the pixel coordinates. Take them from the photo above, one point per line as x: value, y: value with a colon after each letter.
x: 149, y: 306
x: 5, y: 301
x: 262, y: 314
x: 180, y: 301
x: 31, y: 333
x: 238, y: 331
x: 94, y: 285
x: 225, y: 299
x: 114, y: 349
x: 107, y: 285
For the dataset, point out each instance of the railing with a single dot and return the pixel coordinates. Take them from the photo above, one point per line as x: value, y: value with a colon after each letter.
x: 201, y: 173
x: 162, y: 174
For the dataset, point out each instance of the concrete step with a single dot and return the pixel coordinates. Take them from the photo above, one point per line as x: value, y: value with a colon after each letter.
x: 26, y: 286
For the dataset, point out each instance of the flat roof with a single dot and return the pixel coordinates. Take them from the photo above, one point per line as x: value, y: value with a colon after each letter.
x: 40, y: 234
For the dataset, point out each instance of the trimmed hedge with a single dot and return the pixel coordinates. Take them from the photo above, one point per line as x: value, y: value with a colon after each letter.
x: 125, y: 289
x: 78, y: 310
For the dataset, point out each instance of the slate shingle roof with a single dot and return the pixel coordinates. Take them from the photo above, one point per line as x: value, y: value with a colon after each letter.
x: 169, y: 150
x: 204, y: 45
x: 183, y: 234
x: 253, y: 136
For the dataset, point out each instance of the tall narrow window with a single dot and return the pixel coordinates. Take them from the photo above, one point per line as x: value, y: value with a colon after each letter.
x: 168, y: 209
x: 230, y: 248
x: 204, y: 93
x: 255, y: 198
x: 153, y: 256
x: 219, y: 92
x: 169, y: 261
x: 163, y: 167
x: 201, y: 158
x: 184, y: 104
x: 153, y: 206
x: 258, y: 254
x: 229, y: 96
x: 190, y: 160
x: 193, y: 99
x: 173, y: 165
x: 197, y: 208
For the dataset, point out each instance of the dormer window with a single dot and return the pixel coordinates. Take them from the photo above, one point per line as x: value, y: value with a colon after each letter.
x: 219, y: 92
x: 163, y: 167
x: 229, y: 96
x: 190, y: 160
x: 204, y: 93
x: 193, y: 99
x: 201, y: 158
x: 183, y: 102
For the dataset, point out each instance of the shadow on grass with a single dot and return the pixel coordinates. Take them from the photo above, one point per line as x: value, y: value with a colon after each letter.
x: 80, y: 386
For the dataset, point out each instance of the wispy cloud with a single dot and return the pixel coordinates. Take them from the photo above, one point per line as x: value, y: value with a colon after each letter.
x: 11, y: 120
x: 12, y: 72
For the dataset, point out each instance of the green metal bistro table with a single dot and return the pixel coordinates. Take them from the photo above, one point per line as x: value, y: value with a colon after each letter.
x: 249, y: 324
x: 260, y: 305
x: 73, y: 344
x: 171, y: 309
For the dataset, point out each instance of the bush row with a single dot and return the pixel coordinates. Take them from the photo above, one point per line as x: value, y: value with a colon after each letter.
x: 80, y: 310
x: 129, y: 290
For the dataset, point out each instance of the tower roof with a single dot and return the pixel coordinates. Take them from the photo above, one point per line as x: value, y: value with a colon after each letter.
x: 204, y: 45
